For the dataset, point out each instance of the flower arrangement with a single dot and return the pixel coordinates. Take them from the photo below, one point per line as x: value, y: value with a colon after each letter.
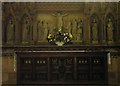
x: 60, y: 38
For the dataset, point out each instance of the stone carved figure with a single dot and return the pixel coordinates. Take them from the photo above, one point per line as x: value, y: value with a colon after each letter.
x: 25, y: 30
x: 69, y: 27
x: 43, y: 31
x: 110, y: 30
x: 74, y: 28
x: 39, y: 30
x: 60, y: 20
x: 79, y: 31
x: 94, y: 31
x: 45, y: 26
x: 10, y: 31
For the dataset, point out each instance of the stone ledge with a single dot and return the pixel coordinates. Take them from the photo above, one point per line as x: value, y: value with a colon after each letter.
x: 58, y: 85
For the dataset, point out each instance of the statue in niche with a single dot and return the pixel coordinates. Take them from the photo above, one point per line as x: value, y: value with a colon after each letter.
x: 60, y: 20
x: 69, y: 27
x: 94, y: 31
x: 79, y: 31
x: 45, y: 26
x: 74, y: 27
x: 40, y: 27
x: 25, y: 30
x: 10, y: 31
x: 110, y: 30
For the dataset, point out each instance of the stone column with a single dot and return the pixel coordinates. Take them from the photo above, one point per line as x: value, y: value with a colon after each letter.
x: 8, y: 68
x: 113, y: 71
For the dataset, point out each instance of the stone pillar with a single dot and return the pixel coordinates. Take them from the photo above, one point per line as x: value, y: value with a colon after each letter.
x: 119, y: 70
x: 8, y: 69
x: 113, y: 71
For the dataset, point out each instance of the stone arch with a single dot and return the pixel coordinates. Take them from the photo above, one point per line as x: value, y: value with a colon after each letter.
x: 25, y: 28
x: 110, y: 16
x: 26, y: 15
x: 10, y: 28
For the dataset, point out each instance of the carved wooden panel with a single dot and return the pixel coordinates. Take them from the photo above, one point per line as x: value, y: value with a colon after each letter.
x: 61, y: 68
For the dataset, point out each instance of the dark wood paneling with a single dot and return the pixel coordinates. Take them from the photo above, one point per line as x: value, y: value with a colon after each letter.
x: 61, y: 67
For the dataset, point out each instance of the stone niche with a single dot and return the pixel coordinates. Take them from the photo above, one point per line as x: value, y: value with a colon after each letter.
x: 31, y: 23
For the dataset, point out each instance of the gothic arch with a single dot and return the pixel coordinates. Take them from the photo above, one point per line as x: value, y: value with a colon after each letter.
x: 110, y: 16
x: 26, y: 23
x: 10, y: 17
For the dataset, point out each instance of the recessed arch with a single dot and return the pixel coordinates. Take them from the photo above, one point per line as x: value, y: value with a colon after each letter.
x: 94, y: 28
x: 110, y: 27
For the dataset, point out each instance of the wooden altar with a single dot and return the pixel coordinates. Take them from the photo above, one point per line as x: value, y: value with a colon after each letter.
x: 61, y: 67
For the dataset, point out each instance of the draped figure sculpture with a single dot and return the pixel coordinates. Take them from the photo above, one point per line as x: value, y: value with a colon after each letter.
x: 39, y: 30
x: 10, y: 32
x: 94, y: 31
x: 79, y: 31
x: 59, y: 20
x: 74, y: 28
x: 69, y: 27
x: 25, y: 30
x: 42, y: 31
x: 110, y: 31
x: 45, y: 26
